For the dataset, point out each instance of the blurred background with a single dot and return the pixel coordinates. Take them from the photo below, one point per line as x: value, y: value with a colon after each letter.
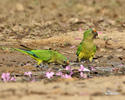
x: 46, y: 18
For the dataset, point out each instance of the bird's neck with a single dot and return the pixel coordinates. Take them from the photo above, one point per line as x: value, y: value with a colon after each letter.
x: 88, y: 40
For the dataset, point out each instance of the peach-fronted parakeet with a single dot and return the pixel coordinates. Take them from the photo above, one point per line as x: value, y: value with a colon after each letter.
x: 87, y: 49
x: 45, y: 56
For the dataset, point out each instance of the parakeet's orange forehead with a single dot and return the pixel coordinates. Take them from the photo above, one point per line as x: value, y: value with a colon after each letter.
x: 94, y: 30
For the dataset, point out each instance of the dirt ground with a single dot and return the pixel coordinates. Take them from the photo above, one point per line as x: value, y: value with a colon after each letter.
x: 59, y: 25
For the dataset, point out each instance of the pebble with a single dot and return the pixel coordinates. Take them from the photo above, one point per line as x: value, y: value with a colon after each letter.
x: 19, y: 7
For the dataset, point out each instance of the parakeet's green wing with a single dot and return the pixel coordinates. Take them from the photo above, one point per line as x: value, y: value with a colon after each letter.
x: 94, y: 48
x: 79, y: 49
x: 45, y: 55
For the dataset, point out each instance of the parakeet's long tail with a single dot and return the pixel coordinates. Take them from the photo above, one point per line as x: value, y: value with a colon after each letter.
x: 26, y: 48
x: 23, y: 51
x: 30, y: 53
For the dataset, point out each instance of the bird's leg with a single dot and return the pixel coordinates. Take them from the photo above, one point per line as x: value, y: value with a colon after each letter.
x: 39, y: 64
x: 77, y: 60
x: 91, y: 59
x: 83, y: 60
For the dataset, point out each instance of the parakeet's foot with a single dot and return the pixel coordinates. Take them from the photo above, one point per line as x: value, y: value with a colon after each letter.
x: 78, y: 60
x: 91, y: 59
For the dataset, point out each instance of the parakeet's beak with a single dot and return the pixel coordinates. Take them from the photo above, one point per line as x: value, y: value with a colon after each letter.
x: 95, y: 33
x: 67, y: 62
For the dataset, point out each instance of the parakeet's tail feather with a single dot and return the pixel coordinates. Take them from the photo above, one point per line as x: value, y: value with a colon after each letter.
x: 23, y: 51
x: 30, y: 53
x: 26, y: 48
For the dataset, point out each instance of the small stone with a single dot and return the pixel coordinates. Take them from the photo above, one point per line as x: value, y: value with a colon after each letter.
x: 109, y: 57
x: 118, y: 55
x: 97, y: 61
x: 102, y: 50
x: 119, y: 50
x: 73, y: 20
x: 111, y: 22
x: 19, y: 7
x: 110, y: 42
x: 123, y: 25
x: 46, y: 47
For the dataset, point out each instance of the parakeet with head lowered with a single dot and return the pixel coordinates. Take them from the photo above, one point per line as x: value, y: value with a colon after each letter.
x: 45, y: 56
x: 87, y: 49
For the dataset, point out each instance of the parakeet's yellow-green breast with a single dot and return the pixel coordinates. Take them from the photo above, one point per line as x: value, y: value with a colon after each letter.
x: 87, y: 49
x: 46, y: 56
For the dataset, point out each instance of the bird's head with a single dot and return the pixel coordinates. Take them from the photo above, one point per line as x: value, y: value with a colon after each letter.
x: 66, y: 62
x: 90, y: 34
x: 61, y: 59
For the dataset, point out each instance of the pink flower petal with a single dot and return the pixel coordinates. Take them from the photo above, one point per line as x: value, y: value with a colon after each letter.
x: 80, y: 29
x: 121, y: 64
x: 83, y: 75
x: 78, y: 38
x: 12, y: 79
x: 68, y: 68
x: 59, y: 74
x: 49, y: 74
x: 99, y: 32
x: 33, y: 80
x: 3, y: 76
x: 92, y: 68
x: 28, y: 74
x: 6, y: 77
x: 81, y: 68
x: 66, y: 76
x: 86, y: 70
x: 72, y: 46
x: 71, y: 72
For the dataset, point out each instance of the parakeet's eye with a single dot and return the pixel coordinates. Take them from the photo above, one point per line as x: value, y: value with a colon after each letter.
x: 64, y: 61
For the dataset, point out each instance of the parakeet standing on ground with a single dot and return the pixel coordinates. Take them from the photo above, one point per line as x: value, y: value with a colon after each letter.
x: 45, y: 56
x: 87, y: 49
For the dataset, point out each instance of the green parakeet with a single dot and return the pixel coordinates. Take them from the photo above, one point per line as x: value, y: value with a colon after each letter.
x: 87, y: 49
x: 45, y: 56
